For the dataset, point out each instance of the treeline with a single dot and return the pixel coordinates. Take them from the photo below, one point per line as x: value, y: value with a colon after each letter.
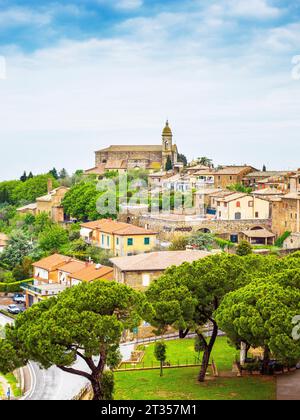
x: 23, y: 192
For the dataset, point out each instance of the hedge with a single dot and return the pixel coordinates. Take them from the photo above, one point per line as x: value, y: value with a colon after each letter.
x: 13, y: 287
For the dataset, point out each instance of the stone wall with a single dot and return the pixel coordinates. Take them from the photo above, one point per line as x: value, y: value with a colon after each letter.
x: 124, y: 155
x: 168, y: 229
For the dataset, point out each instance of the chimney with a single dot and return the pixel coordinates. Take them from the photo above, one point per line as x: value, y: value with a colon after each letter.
x: 50, y: 185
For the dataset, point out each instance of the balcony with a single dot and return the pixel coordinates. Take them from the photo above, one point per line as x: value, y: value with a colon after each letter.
x: 44, y: 289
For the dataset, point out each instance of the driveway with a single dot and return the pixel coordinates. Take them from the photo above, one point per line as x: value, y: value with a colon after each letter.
x: 288, y: 387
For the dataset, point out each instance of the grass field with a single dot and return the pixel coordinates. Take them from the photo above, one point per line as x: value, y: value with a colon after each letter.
x: 182, y: 383
x: 182, y: 352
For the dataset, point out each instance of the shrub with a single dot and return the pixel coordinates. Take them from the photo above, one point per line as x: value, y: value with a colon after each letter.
x: 243, y: 249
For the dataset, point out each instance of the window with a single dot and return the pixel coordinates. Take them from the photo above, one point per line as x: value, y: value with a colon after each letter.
x: 238, y: 204
x: 146, y: 241
x: 250, y: 203
x: 102, y: 239
x: 256, y: 214
x: 108, y: 241
x: 238, y: 216
x: 146, y: 280
x: 117, y: 241
x: 130, y: 241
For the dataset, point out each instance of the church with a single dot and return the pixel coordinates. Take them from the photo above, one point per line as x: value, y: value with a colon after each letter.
x: 147, y: 157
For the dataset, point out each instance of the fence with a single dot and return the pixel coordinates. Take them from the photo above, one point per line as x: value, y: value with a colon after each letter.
x: 152, y: 365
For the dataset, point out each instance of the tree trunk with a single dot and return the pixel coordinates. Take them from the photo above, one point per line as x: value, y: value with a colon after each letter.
x: 204, y: 365
x: 97, y: 389
x: 161, y: 369
x: 266, y: 361
x: 207, y: 351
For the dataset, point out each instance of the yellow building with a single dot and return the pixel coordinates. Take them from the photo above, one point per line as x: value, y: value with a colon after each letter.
x: 119, y: 238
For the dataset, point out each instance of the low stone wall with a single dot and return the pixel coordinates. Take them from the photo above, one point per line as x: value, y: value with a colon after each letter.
x: 170, y: 228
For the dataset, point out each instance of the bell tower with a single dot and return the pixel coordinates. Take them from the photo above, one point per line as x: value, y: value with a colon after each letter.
x: 167, y: 145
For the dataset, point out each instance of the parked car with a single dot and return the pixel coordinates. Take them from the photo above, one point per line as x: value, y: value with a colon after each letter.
x: 13, y: 309
x: 19, y: 298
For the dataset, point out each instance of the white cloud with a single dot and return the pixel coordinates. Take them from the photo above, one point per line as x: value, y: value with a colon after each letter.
x: 60, y: 104
x: 259, y: 9
x: 249, y: 9
x: 128, y: 4
x: 17, y: 16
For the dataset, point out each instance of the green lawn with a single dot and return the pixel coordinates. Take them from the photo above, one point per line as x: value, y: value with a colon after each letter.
x: 182, y: 383
x: 182, y: 352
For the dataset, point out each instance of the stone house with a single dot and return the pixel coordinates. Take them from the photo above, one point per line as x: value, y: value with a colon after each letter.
x: 51, y: 204
x: 139, y: 271
x: 286, y: 209
x: 286, y: 214
x: 223, y: 177
x: 267, y: 179
x: 241, y: 206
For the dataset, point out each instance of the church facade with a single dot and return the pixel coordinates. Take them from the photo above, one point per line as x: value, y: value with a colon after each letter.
x: 150, y: 157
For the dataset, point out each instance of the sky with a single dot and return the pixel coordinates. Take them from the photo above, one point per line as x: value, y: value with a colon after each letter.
x: 77, y: 76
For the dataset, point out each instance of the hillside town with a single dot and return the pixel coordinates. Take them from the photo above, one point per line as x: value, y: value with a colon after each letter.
x: 61, y: 238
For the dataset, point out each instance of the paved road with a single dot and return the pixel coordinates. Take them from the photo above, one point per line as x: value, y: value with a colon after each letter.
x: 5, y: 320
x: 54, y: 384
x: 288, y: 387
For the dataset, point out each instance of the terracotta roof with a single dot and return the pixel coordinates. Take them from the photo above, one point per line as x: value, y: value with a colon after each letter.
x: 132, y: 148
x: 72, y: 267
x: 197, y: 168
x: 292, y: 196
x: 52, y: 262
x: 32, y: 206
x: 233, y: 196
x: 157, y: 174
x: 48, y: 197
x: 267, y: 174
x: 98, y: 170
x: 118, y: 228
x: 232, y: 170
x: 267, y: 191
x: 157, y: 261
x: 259, y: 233
x: 92, y: 272
x: 221, y: 193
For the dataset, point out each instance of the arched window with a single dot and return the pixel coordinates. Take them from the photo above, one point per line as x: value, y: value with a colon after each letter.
x: 238, y: 204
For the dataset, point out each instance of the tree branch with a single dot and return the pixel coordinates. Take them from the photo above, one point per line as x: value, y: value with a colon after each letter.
x: 76, y: 372
x: 88, y: 360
